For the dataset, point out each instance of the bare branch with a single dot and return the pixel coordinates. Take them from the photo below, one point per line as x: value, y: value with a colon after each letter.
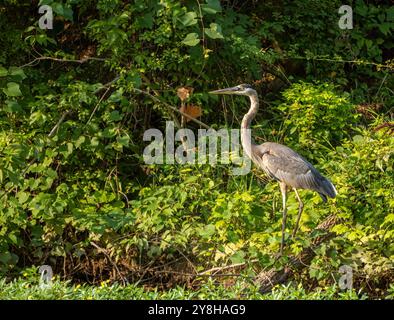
x: 37, y: 60
x: 124, y: 280
x: 56, y: 127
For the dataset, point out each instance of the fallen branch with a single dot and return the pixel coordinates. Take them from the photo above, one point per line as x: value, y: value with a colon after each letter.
x: 268, y: 279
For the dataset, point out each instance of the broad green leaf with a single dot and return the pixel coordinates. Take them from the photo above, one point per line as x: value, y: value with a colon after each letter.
x: 208, y: 231
x: 123, y: 140
x: 13, y: 106
x: 358, y: 139
x: 62, y: 10
x: 188, y: 19
x: 214, y: 32
x: 385, y: 28
x: 238, y: 257
x: 12, y: 90
x: 115, y: 116
x: 3, y: 72
x: 13, y: 238
x: 18, y: 72
x: 211, y: 7
x: 191, y: 39
x: 80, y: 140
x: 22, y: 197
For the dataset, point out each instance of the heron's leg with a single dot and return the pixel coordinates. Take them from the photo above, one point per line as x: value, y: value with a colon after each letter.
x: 300, y: 208
x: 283, y: 189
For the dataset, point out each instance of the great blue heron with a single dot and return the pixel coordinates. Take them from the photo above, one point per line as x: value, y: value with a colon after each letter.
x: 280, y: 162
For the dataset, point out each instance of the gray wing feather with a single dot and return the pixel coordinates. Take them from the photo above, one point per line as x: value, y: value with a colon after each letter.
x: 284, y: 164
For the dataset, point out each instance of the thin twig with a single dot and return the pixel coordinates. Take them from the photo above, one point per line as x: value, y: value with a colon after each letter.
x: 217, y: 269
x: 56, y: 127
x: 360, y: 62
x: 124, y: 280
x: 97, y: 105
x: 36, y: 60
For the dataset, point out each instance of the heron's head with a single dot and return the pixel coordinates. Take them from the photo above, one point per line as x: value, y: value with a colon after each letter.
x: 242, y: 90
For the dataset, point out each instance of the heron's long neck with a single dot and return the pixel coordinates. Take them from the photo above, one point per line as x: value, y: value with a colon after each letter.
x: 245, y: 125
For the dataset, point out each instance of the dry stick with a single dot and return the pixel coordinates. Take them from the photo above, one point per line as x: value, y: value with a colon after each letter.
x: 193, y: 275
x: 217, y: 269
x: 61, y: 60
x: 267, y: 280
x: 56, y: 127
x: 124, y: 280
x: 97, y: 105
x: 188, y: 260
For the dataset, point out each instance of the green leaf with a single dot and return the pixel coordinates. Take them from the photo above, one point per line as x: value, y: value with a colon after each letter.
x: 115, y: 116
x: 5, y: 257
x: 123, y: 140
x: 19, y: 73
x: 3, y: 72
x: 135, y: 79
x: 191, y: 39
x: 13, y: 238
x: 208, y: 231
x: 188, y: 19
x: 238, y: 257
x: 94, y: 142
x: 80, y: 140
x: 390, y: 14
x: 22, y: 197
x: 62, y: 10
x: 385, y: 28
x: 358, y: 139
x: 12, y: 90
x: 214, y: 32
x: 212, y: 7
x: 13, y: 106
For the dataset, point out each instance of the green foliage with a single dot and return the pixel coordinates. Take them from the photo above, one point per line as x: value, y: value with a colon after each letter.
x: 28, y: 288
x: 74, y: 187
x: 316, y: 116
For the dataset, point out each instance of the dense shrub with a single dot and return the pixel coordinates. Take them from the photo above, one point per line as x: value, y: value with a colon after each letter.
x: 76, y: 194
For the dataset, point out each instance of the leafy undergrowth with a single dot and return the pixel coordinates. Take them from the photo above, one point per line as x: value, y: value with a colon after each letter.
x: 27, y: 289
x: 76, y: 193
